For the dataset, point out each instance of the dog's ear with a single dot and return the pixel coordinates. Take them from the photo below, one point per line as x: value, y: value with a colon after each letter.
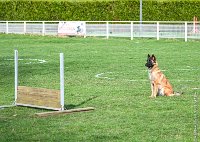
x: 148, y: 56
x: 153, y: 57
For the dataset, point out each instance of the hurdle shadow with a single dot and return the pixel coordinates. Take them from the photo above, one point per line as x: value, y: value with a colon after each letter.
x: 72, y: 106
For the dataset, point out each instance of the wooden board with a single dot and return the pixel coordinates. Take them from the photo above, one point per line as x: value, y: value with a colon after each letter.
x: 45, y: 114
x: 38, y: 97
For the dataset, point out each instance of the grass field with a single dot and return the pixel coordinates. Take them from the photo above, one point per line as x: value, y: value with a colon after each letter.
x: 106, y: 74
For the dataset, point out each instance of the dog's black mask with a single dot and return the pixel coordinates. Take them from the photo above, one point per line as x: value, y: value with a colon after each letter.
x: 151, y: 60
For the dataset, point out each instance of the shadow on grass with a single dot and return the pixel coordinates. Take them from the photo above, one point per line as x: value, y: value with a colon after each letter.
x: 72, y: 106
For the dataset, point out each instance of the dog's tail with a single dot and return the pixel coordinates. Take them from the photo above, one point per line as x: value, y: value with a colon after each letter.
x: 175, y: 94
x: 178, y: 93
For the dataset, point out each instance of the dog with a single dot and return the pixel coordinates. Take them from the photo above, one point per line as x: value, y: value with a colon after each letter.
x: 160, y: 85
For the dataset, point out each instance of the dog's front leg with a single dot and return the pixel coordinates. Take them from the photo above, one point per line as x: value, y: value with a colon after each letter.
x: 155, y: 90
x: 152, y: 91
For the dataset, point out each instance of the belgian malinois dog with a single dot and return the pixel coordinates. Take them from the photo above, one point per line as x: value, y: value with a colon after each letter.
x: 160, y: 85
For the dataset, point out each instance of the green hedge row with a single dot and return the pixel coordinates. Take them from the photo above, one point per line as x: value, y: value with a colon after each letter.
x: 99, y: 11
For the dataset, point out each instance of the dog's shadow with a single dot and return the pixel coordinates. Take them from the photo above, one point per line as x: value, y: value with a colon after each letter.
x: 72, y: 106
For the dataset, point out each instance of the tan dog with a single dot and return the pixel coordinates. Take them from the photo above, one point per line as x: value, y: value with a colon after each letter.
x: 160, y: 86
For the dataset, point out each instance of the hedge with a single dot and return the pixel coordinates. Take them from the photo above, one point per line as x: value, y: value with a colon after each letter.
x: 98, y: 11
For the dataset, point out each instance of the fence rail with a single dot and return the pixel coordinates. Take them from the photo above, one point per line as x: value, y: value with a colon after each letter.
x: 129, y: 29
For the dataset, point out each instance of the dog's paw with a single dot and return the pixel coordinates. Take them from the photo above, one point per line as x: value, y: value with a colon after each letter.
x: 152, y: 97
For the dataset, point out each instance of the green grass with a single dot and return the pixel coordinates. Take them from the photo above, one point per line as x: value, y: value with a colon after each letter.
x: 123, y: 109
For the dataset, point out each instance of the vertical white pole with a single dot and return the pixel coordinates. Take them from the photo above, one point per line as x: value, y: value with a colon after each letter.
x: 43, y: 28
x: 62, y: 81
x: 131, y: 30
x: 7, y: 27
x: 107, y: 30
x: 24, y: 27
x: 16, y: 74
x: 158, y: 29
x: 185, y: 31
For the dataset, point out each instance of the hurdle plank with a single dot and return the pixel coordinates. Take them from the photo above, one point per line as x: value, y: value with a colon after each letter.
x: 45, y: 114
x: 38, y: 97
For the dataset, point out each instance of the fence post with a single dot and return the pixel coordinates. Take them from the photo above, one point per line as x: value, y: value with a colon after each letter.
x: 107, y: 30
x: 16, y: 74
x: 24, y: 27
x: 43, y: 28
x: 131, y: 30
x: 158, y: 30
x: 85, y: 30
x: 6, y: 27
x: 62, y: 80
x: 186, y: 32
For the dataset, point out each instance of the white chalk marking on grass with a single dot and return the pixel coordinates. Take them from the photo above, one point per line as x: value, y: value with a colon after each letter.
x: 40, y: 61
x: 186, y: 69
x: 101, y: 75
x: 183, y: 69
x: 139, y: 80
x: 196, y: 88
x: 184, y: 80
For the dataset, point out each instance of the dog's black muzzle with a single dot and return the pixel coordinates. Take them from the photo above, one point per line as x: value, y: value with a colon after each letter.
x: 149, y: 65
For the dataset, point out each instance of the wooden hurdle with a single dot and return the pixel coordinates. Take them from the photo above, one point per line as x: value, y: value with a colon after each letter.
x: 42, y: 97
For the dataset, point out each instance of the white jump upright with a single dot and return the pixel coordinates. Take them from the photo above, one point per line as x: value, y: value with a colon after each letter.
x: 62, y: 80
x: 16, y: 74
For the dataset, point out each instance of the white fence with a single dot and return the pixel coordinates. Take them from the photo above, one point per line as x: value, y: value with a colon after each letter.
x: 129, y: 29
